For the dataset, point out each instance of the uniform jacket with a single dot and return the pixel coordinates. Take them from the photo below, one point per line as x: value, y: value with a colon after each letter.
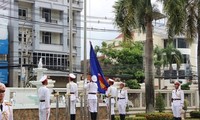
x: 112, y: 92
x: 122, y: 93
x: 7, y: 112
x: 72, y: 89
x: 44, y: 94
x: 178, y: 94
x: 92, y: 89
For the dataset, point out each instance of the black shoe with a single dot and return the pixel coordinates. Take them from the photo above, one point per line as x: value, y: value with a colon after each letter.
x: 72, y: 117
x: 112, y: 117
x: 123, y: 117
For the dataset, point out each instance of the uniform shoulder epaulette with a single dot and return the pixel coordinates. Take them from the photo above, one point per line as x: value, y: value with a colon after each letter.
x: 8, y: 103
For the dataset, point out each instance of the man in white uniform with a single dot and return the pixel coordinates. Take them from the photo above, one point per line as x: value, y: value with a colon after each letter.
x: 177, y: 101
x: 92, y: 89
x: 72, y: 90
x: 5, y: 107
x: 112, y: 93
x: 122, y: 98
x: 44, y: 99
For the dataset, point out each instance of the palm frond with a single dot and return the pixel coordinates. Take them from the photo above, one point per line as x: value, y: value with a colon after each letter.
x: 191, y: 22
x: 174, y: 9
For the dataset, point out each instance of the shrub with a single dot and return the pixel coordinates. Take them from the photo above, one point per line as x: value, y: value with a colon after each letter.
x: 160, y: 105
x: 195, y: 114
x: 138, y: 118
x: 140, y: 114
x: 185, y: 104
x: 133, y: 84
x: 159, y: 116
x: 186, y: 86
x: 131, y: 118
x: 156, y: 116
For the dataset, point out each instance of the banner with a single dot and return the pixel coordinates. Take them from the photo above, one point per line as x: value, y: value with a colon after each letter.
x: 95, y: 69
x: 4, y: 72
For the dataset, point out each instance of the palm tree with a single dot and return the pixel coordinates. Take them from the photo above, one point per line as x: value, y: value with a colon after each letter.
x: 158, y: 62
x: 171, y: 55
x: 186, y: 21
x: 139, y: 14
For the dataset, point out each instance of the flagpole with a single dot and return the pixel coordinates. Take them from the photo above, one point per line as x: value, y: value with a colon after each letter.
x: 70, y: 37
x: 85, y: 56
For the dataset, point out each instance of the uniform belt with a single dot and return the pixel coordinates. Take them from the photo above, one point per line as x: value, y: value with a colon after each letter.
x: 71, y: 92
x: 176, y: 99
x: 120, y: 98
x: 92, y: 93
x: 110, y: 97
x: 42, y: 100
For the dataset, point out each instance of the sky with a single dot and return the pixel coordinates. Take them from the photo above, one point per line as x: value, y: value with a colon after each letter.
x: 102, y: 18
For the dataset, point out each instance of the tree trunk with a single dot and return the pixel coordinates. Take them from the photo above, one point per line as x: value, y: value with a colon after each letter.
x: 198, y: 50
x: 170, y: 72
x: 149, y: 79
x: 159, y: 77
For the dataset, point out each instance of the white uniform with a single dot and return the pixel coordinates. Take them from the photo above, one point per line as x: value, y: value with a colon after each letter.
x: 7, y: 111
x: 112, y: 91
x: 177, y: 102
x: 44, y: 103
x: 92, y: 95
x: 72, y: 89
x: 122, y: 98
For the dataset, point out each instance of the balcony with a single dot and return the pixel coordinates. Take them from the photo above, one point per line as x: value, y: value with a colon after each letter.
x: 48, y: 47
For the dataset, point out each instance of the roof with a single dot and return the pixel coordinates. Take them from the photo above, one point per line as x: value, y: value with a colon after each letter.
x: 122, y: 35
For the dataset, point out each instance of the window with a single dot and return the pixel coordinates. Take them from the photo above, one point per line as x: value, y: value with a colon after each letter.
x: 51, y: 61
x: 185, y: 58
x: 20, y: 37
x: 46, y: 14
x: 46, y: 37
x: 3, y: 57
x: 22, y: 13
x: 182, y: 43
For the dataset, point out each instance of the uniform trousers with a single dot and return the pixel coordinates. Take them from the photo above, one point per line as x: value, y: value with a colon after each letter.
x: 122, y: 106
x: 73, y: 107
x: 176, y: 109
x: 92, y: 103
x: 44, y: 114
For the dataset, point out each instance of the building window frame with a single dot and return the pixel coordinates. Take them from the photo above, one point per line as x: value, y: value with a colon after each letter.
x: 46, y: 14
x: 46, y: 37
x: 22, y: 13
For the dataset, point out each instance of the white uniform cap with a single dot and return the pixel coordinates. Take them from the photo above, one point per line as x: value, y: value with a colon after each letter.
x: 122, y: 83
x: 71, y: 75
x: 43, y: 78
x: 111, y: 80
x: 94, y: 78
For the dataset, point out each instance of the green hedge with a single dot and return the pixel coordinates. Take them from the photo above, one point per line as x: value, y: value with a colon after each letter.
x: 195, y: 114
x: 156, y: 116
x: 131, y: 118
x: 159, y: 116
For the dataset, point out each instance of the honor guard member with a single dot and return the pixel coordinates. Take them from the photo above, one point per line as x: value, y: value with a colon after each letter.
x: 5, y: 107
x: 177, y: 101
x: 72, y: 90
x: 44, y: 99
x: 112, y: 93
x: 122, y: 100
x: 92, y: 89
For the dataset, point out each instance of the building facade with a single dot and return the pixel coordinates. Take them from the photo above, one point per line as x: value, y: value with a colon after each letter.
x: 40, y: 29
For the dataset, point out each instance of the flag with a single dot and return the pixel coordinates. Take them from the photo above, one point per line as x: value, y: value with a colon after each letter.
x: 95, y: 69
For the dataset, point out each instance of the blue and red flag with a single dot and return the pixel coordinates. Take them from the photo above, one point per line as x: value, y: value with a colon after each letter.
x: 95, y: 69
